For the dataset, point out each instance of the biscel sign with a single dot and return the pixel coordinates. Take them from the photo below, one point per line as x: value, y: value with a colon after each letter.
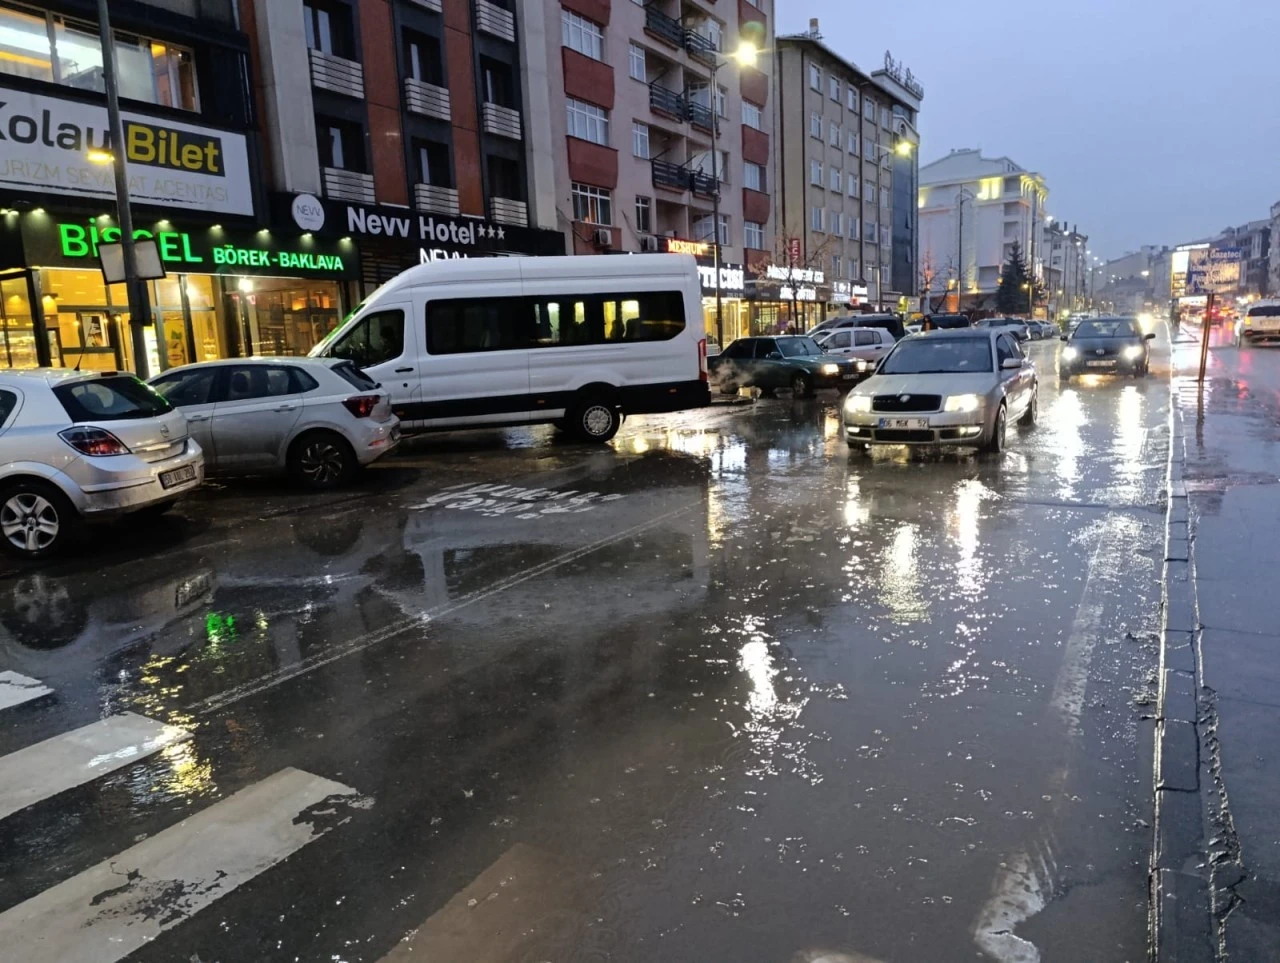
x: 50, y: 241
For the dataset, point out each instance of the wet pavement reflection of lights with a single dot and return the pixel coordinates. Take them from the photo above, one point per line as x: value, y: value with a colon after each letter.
x: 900, y: 577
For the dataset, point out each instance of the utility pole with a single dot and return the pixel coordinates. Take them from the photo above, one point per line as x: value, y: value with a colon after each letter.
x: 139, y: 303
x: 1035, y: 218
x: 713, y: 98
x: 960, y: 250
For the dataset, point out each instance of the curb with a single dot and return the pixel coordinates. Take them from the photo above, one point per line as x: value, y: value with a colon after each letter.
x: 1180, y: 919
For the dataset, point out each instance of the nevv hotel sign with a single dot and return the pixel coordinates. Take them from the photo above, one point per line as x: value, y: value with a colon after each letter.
x: 45, y: 141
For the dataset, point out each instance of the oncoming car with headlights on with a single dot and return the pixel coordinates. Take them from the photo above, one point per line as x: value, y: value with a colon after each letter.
x: 1105, y: 346
x: 953, y: 388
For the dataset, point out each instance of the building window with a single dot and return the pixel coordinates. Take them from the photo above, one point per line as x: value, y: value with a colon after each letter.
x: 835, y: 263
x: 640, y: 140
x: 833, y: 135
x: 506, y: 178
x: 871, y: 231
x: 884, y: 198
x: 853, y: 268
x: 884, y: 117
x: 60, y: 50
x: 702, y: 229
x: 815, y: 77
x: 340, y: 143
x: 328, y: 28
x: 582, y: 35
x: 869, y: 192
x: 594, y: 205
x: 854, y: 224
x: 497, y: 83
x: 853, y: 142
x: 884, y: 235
x: 698, y: 94
x: 837, y: 223
x: 636, y: 64
x: 753, y: 176
x: 753, y: 235
x: 833, y: 89
x: 752, y: 115
x: 422, y: 59
x: 851, y: 100
x: 835, y: 180
x: 815, y: 126
x: 644, y: 215
x: 815, y: 218
x: 853, y: 184
x: 587, y: 121
x: 432, y: 161
x: 815, y: 173
x: 703, y: 162
x: 869, y: 109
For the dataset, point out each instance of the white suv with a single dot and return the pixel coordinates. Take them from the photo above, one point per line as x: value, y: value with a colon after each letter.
x: 77, y: 445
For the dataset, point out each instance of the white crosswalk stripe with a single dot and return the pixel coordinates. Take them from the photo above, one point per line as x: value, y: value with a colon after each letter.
x: 15, y: 689
x: 80, y: 756
x: 109, y: 911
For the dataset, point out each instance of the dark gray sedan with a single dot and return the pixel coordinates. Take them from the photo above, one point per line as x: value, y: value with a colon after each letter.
x: 793, y: 361
x: 1105, y: 346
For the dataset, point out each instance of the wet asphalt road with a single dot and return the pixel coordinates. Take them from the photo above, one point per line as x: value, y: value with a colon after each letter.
x: 715, y: 692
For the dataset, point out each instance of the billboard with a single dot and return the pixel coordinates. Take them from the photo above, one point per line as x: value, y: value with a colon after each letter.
x: 1213, y: 270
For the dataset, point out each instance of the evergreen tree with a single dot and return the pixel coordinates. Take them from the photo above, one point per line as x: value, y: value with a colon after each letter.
x: 1011, y: 296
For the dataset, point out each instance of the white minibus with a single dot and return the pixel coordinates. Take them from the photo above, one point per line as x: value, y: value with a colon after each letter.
x: 575, y: 341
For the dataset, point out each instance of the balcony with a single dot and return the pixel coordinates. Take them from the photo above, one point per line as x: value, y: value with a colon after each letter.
x: 337, y: 74
x: 426, y: 99
x: 701, y: 47
x: 506, y: 211
x: 501, y: 121
x: 671, y: 176
x: 441, y: 200
x: 661, y: 27
x: 348, y: 185
x: 491, y: 18
x: 427, y: 4
x: 702, y: 184
x: 700, y: 116
x: 663, y: 100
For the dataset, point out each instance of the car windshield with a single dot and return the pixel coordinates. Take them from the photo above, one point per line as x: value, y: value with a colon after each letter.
x: 1105, y: 329
x: 798, y: 347
x: 939, y: 356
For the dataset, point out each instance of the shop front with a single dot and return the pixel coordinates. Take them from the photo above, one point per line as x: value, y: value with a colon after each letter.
x: 394, y: 239
x: 228, y: 292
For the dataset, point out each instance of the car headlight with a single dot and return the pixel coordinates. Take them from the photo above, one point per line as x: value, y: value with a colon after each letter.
x: 1070, y: 354
x: 857, y: 404
x: 1133, y: 352
x: 864, y: 365
x: 962, y: 403
x: 830, y: 369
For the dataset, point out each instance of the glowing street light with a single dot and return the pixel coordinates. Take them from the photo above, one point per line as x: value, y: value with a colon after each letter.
x: 98, y: 156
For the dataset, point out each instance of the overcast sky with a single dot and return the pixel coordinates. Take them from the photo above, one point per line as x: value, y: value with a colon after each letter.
x: 1152, y: 121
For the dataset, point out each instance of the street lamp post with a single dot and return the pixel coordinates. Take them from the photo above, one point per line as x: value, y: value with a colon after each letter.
x: 745, y: 56
x: 139, y: 304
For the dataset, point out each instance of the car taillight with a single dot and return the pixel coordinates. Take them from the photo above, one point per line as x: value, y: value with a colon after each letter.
x: 93, y: 441
x: 362, y: 405
x: 702, y: 359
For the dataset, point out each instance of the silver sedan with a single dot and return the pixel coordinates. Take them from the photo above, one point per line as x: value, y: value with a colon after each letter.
x: 318, y: 419
x: 78, y: 445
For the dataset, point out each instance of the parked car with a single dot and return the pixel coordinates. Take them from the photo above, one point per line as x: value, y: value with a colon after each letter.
x: 576, y: 341
x: 866, y: 346
x: 1261, y: 322
x: 957, y: 388
x: 1104, y: 345
x: 80, y: 446
x: 1016, y: 326
x: 792, y: 361
x: 945, y: 322
x: 319, y: 419
x: 889, y: 322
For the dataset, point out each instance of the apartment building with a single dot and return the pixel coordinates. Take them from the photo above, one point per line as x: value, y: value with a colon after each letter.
x: 649, y: 123
x: 972, y: 210
x: 1065, y: 268
x: 401, y: 125
x: 835, y: 158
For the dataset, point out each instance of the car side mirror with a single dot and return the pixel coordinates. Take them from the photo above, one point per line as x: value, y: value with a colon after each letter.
x: 1064, y: 338
x: 1149, y: 336
x: 1009, y: 364
x: 774, y: 356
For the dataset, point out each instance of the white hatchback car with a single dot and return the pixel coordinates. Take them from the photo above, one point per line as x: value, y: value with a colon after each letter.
x: 959, y: 387
x: 319, y: 419
x: 78, y: 445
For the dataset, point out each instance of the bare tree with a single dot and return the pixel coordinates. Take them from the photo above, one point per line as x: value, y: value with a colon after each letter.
x: 812, y: 258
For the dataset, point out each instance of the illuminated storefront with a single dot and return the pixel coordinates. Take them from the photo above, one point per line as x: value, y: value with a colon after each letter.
x: 229, y: 292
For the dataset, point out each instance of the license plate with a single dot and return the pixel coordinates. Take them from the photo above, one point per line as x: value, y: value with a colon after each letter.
x: 849, y: 376
x: 1099, y: 364
x: 176, y: 477
x: 904, y: 422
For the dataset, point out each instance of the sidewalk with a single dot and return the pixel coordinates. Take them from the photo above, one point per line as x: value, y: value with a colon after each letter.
x: 1218, y: 789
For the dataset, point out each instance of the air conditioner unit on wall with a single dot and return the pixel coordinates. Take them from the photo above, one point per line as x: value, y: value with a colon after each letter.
x: 650, y: 243
x: 603, y: 237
